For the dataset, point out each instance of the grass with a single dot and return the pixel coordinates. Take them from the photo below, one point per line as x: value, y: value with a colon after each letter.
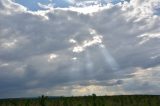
x: 126, y: 100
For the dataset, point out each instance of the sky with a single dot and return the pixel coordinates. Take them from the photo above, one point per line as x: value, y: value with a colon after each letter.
x: 33, y: 4
x: 79, y: 47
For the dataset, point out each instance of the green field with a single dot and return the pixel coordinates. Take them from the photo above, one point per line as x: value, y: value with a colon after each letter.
x: 127, y: 100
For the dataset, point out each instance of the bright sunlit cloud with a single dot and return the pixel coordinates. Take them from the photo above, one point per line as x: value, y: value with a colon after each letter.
x: 87, y: 43
x: 51, y: 57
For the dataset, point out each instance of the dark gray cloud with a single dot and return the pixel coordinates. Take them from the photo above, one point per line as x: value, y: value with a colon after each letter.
x: 65, y: 52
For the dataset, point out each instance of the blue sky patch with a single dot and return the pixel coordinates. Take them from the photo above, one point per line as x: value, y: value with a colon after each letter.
x: 33, y: 4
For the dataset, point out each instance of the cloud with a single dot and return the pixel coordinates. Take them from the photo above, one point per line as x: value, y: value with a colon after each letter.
x: 67, y: 51
x: 144, y: 81
x: 87, y: 43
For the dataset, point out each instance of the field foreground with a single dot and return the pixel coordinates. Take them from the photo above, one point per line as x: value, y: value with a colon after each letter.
x: 127, y: 100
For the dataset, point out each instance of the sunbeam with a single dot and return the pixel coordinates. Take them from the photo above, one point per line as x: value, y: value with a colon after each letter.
x: 109, y: 58
x: 89, y: 63
x: 84, y: 48
x: 75, y: 69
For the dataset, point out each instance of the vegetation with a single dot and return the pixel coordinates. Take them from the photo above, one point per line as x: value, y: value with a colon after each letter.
x: 93, y: 100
